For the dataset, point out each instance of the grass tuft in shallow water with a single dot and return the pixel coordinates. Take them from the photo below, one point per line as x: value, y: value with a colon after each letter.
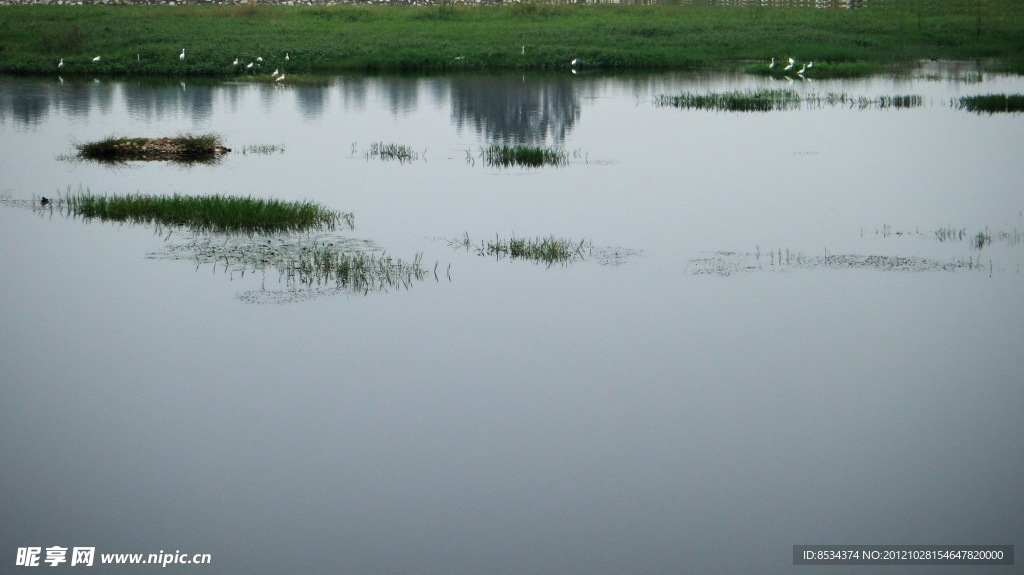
x: 186, y: 148
x: 397, y: 152
x: 501, y: 156
x: 992, y: 103
x: 548, y: 250
x: 225, y: 214
x: 762, y: 100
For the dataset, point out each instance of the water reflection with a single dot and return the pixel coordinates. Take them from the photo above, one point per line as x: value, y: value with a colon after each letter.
x: 510, y: 110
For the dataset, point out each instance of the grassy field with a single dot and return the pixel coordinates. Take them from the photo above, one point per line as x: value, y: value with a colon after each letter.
x: 141, y: 40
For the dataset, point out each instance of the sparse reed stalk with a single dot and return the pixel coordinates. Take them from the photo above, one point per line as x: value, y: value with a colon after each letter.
x: 548, y: 250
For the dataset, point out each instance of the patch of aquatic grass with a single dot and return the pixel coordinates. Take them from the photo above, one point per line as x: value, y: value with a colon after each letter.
x: 396, y: 152
x: 353, y: 271
x: 548, y: 250
x: 770, y: 100
x: 761, y: 100
x: 263, y: 149
x: 502, y: 156
x: 306, y: 267
x: 222, y: 214
x: 992, y: 103
x: 186, y: 148
x: 980, y: 239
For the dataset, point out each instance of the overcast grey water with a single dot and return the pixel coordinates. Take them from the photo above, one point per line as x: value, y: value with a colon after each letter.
x: 782, y: 333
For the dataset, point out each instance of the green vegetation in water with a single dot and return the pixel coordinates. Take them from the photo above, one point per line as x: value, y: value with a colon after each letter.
x: 548, y: 250
x: 185, y: 148
x: 762, y: 100
x: 263, y: 149
x: 307, y: 267
x: 501, y: 156
x: 768, y: 100
x: 148, y: 40
x: 396, y: 152
x: 221, y: 214
x: 981, y: 239
x: 992, y: 103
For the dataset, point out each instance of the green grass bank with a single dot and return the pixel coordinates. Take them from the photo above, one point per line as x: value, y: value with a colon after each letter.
x: 148, y: 40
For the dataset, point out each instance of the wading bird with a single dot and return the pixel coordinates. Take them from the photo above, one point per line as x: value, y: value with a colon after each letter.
x: 248, y: 66
x: 802, y: 70
x: 573, y: 63
x: 96, y: 59
x: 275, y: 73
x: 524, y: 50
x: 280, y: 78
x: 182, y: 55
x: 791, y: 62
x: 235, y: 63
x: 286, y: 58
x: 259, y: 58
x: 809, y: 66
x: 772, y: 65
x: 61, y: 64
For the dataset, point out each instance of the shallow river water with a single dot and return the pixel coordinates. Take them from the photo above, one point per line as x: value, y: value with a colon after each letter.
x: 772, y: 340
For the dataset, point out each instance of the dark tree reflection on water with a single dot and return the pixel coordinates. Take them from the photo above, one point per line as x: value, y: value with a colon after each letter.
x: 516, y: 111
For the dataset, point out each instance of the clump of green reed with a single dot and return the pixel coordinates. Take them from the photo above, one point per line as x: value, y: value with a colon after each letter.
x: 760, y: 100
x: 992, y: 103
x: 502, y: 156
x: 222, y: 214
x: 185, y: 148
x: 395, y: 152
x: 548, y: 250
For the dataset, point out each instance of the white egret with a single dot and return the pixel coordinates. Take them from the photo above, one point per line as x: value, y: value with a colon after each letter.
x: 791, y: 62
x: 280, y: 78
x: 811, y: 65
x: 248, y: 66
x: 802, y: 70
x: 286, y: 57
x: 182, y: 55
x: 772, y: 65
x: 96, y: 59
x: 61, y: 65
x: 573, y: 63
x: 524, y: 50
x: 275, y: 73
x: 259, y: 58
x: 235, y: 63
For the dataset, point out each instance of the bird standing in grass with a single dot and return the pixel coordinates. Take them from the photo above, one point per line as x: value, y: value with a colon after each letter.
x: 286, y: 57
x: 772, y: 65
x: 235, y: 63
x: 96, y: 59
x: 182, y: 55
x: 61, y: 64
x: 791, y: 62
x: 280, y: 78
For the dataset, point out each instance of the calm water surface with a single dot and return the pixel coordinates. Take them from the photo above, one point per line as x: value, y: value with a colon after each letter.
x: 690, y: 407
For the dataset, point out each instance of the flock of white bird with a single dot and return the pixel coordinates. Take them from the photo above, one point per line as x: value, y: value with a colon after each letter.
x: 278, y: 76
x: 807, y: 66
